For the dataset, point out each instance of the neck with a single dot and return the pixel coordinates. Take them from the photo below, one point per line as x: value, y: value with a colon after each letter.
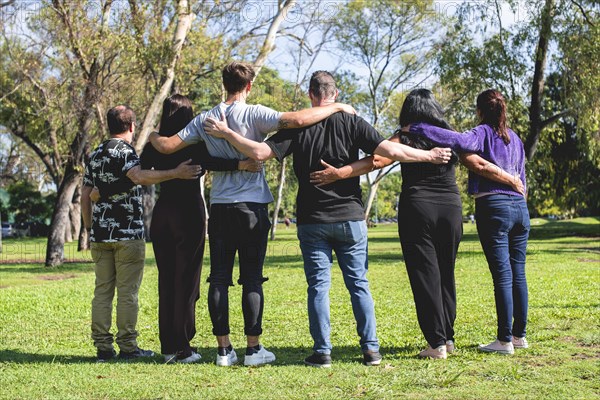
x: 322, y: 102
x: 123, y: 136
x: 239, y: 97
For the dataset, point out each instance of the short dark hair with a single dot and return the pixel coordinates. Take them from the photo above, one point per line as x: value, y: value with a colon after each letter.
x: 322, y: 85
x: 237, y: 75
x: 177, y: 113
x: 119, y: 119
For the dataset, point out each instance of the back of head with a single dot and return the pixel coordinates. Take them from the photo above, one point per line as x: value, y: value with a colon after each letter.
x: 177, y: 113
x: 492, y: 109
x: 322, y: 85
x: 119, y: 119
x: 236, y: 76
x: 421, y: 106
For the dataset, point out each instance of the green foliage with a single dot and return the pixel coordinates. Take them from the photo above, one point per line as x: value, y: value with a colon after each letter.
x: 45, y: 317
x: 28, y: 205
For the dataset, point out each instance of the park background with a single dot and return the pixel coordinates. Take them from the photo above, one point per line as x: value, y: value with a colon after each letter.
x: 65, y: 63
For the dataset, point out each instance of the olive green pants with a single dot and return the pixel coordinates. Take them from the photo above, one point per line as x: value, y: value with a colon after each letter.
x: 119, y: 265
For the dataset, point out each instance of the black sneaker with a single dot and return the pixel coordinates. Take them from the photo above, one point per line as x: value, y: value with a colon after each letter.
x: 105, y: 355
x: 137, y: 353
x: 318, y: 360
x: 371, y: 357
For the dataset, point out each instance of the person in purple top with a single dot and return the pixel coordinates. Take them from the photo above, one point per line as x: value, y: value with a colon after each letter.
x: 501, y: 211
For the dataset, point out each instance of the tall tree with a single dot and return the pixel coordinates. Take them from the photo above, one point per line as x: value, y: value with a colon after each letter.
x: 391, y: 42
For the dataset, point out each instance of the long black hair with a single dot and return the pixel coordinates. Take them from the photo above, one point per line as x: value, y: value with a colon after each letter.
x: 421, y: 106
x: 177, y: 113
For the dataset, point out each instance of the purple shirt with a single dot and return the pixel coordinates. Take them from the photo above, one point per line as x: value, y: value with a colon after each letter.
x: 484, y: 141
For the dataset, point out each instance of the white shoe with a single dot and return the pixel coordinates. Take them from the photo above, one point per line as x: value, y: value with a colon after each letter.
x: 450, y: 346
x: 498, y: 347
x: 261, y: 357
x: 193, y: 358
x: 170, y: 358
x: 520, y: 343
x: 439, y: 352
x: 228, y: 360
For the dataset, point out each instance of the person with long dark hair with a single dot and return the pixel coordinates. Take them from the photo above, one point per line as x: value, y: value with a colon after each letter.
x: 178, y: 232
x: 429, y: 223
x: 501, y: 211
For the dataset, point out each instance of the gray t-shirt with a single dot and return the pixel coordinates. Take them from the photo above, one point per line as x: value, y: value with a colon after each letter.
x: 251, y: 121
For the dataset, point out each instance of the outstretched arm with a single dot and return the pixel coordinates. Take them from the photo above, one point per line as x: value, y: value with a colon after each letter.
x: 467, y: 142
x: 259, y: 151
x: 310, y: 116
x: 363, y: 166
x: 167, y: 144
x: 483, y: 167
x: 406, y: 154
x: 184, y: 170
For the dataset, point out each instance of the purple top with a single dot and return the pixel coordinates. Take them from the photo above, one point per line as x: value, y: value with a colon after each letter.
x: 484, y: 141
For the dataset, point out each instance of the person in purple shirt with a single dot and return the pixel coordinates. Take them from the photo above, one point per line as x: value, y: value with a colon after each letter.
x: 501, y: 211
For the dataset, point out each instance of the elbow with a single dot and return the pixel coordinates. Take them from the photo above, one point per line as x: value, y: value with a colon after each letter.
x: 260, y: 155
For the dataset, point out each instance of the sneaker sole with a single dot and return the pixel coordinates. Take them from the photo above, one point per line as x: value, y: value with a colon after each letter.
x: 259, y: 363
x: 503, y: 352
x: 309, y: 364
x: 372, y: 363
x: 226, y: 363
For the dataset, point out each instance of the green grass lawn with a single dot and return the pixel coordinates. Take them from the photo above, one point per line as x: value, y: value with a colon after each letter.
x: 46, y: 350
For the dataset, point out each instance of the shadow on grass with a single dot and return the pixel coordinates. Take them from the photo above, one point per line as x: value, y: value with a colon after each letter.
x: 286, y: 356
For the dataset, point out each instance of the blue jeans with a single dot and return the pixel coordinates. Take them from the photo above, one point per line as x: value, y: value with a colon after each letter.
x: 349, y: 241
x: 503, y: 226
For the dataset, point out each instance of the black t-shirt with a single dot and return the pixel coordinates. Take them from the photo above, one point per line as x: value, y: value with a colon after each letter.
x: 336, y: 141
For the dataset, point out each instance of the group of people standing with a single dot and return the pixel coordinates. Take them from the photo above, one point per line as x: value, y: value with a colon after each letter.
x: 325, y: 140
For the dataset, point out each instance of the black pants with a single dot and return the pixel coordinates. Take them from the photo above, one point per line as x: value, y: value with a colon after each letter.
x: 242, y: 228
x: 430, y: 234
x: 178, y: 235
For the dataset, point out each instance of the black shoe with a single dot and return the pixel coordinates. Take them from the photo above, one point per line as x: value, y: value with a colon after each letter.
x: 371, y: 357
x: 318, y: 360
x: 105, y: 355
x: 137, y: 353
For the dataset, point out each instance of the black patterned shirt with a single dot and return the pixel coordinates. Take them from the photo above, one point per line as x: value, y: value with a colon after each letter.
x: 120, y: 216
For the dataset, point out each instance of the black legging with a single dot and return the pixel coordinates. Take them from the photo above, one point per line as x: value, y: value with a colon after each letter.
x: 242, y: 228
x: 430, y: 234
x: 178, y: 236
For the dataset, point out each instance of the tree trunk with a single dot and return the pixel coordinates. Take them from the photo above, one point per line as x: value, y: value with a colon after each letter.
x: 537, y: 89
x: 202, y: 194
x: 75, y: 213
x: 84, y: 239
x: 279, y: 196
x: 370, y: 198
x: 269, y: 43
x: 0, y: 233
x: 60, y: 218
x: 148, y: 199
x: 184, y: 22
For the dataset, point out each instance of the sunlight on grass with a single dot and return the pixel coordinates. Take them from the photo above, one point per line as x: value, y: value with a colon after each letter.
x: 46, y: 350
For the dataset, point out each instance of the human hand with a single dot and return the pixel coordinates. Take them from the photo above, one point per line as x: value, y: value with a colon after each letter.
x: 518, y: 186
x: 440, y: 155
x: 346, y: 108
x: 215, y: 127
x: 187, y: 171
x: 326, y: 176
x: 250, y: 165
x: 95, y: 195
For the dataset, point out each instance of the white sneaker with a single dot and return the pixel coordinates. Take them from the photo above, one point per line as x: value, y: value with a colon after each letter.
x: 228, y: 360
x: 437, y: 353
x: 450, y: 346
x: 170, y: 358
x: 498, y: 347
x: 193, y: 358
x: 261, y: 357
x: 520, y: 343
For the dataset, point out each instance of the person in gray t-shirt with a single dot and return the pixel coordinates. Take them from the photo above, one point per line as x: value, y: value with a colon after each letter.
x: 239, y: 219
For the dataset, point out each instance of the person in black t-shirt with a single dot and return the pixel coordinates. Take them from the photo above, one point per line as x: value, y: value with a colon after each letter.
x: 331, y: 218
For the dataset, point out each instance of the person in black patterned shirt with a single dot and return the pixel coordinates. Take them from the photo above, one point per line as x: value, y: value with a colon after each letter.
x: 117, y: 233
